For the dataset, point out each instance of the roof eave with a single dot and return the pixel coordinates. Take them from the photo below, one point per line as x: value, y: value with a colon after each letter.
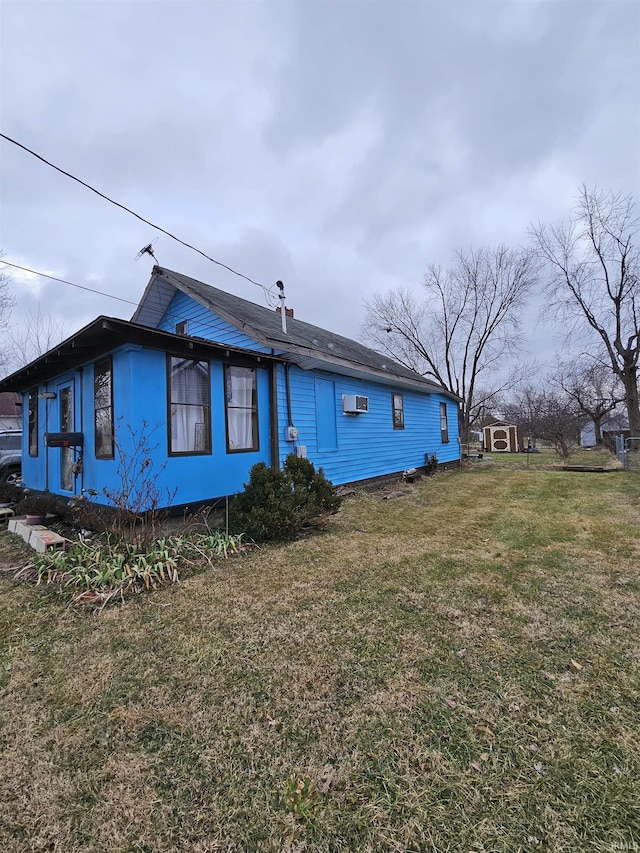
x: 106, y: 334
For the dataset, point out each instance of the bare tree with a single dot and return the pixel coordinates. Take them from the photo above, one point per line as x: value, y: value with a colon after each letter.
x: 524, y: 408
x: 462, y: 332
x: 592, y: 385
x: 7, y: 302
x: 37, y: 334
x: 547, y: 415
x: 595, y: 281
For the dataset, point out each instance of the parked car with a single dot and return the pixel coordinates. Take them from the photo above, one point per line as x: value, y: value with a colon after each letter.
x: 10, y: 455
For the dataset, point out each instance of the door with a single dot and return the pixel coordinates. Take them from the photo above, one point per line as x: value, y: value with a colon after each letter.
x: 327, y: 431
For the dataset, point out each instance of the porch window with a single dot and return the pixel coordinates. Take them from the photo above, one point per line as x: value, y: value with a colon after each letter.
x: 189, y: 406
x: 103, y: 408
x: 397, y: 405
x: 241, y: 406
x: 444, y: 426
x: 33, y: 422
x: 66, y: 425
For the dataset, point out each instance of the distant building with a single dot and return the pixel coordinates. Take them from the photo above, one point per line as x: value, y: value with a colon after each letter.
x: 10, y: 410
x: 615, y: 424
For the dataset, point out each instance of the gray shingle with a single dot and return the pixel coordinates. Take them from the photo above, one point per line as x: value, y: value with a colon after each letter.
x: 265, y: 325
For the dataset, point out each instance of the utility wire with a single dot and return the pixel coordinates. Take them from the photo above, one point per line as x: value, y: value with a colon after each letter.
x: 71, y: 283
x: 266, y: 290
x: 166, y: 315
x: 157, y: 303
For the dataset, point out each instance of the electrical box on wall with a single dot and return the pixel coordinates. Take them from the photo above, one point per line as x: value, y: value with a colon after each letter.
x: 291, y: 433
x: 354, y: 404
x: 301, y: 451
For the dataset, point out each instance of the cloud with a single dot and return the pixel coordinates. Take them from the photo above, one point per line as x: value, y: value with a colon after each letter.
x: 339, y: 147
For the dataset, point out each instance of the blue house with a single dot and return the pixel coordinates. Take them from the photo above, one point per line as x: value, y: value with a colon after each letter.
x: 214, y: 384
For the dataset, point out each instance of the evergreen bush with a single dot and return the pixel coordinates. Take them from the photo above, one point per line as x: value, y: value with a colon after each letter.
x: 314, y: 494
x: 276, y: 504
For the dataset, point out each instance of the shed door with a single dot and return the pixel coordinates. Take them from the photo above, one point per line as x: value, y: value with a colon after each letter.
x: 500, y: 439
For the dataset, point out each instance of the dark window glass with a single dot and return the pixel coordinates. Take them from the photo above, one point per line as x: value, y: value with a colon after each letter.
x: 33, y: 423
x: 397, y: 403
x: 66, y: 425
x: 182, y: 327
x: 189, y: 406
x: 103, y: 408
x: 241, y: 401
x: 444, y: 425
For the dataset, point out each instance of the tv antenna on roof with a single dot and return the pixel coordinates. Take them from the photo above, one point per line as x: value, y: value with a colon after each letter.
x: 147, y: 250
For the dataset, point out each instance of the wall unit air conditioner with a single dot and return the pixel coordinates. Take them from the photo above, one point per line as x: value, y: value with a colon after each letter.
x: 353, y: 404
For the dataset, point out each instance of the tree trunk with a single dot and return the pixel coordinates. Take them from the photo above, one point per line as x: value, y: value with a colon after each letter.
x: 630, y: 380
x: 597, y: 428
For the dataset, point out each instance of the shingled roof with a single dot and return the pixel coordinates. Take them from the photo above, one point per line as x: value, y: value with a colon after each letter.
x: 303, y: 343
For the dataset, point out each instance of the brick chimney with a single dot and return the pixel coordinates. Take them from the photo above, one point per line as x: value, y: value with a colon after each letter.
x: 288, y: 311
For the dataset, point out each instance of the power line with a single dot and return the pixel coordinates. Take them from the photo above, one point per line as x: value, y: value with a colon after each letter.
x: 71, y: 283
x: 158, y: 304
x: 267, y: 291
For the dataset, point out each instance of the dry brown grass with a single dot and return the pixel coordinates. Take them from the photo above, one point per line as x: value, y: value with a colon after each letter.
x: 454, y: 669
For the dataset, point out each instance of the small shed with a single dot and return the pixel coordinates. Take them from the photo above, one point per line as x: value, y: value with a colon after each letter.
x: 502, y: 437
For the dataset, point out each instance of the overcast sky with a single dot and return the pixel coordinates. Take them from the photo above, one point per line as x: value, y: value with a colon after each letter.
x: 339, y: 146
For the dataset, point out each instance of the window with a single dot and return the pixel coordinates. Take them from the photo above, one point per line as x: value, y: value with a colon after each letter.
x: 103, y: 408
x: 33, y: 422
x: 444, y: 426
x: 397, y: 404
x: 241, y: 406
x: 189, y: 406
x: 66, y: 425
x: 182, y: 327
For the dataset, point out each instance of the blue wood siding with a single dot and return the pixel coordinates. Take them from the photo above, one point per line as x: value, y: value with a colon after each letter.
x: 348, y: 447
x: 367, y: 444
x: 203, y: 323
x: 140, y: 403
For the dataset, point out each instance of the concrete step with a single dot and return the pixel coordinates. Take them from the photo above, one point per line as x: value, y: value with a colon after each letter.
x: 39, y: 537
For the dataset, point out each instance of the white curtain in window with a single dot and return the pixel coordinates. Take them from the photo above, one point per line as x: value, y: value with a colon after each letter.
x: 240, y: 388
x: 189, y: 402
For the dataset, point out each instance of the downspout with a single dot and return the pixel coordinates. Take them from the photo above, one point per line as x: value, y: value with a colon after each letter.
x: 288, y: 387
x: 273, y: 416
x: 82, y: 451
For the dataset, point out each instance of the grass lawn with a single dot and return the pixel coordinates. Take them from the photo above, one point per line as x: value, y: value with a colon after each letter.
x: 453, y: 669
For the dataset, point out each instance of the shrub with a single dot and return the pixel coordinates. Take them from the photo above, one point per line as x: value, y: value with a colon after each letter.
x: 276, y: 504
x: 40, y: 504
x: 10, y: 493
x: 135, y: 514
x: 314, y: 494
x: 266, y: 509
